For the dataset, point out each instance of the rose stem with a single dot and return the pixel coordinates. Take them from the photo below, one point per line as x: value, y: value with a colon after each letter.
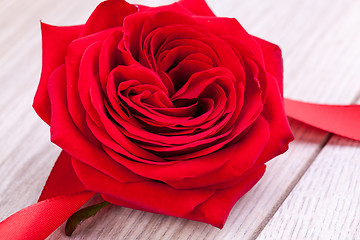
x: 82, y: 215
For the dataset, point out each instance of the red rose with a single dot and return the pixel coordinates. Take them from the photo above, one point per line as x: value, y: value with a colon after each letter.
x: 169, y: 110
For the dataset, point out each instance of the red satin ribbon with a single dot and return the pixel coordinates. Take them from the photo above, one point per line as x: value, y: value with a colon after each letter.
x: 64, y: 194
x: 61, y: 197
x: 341, y: 120
x: 40, y: 219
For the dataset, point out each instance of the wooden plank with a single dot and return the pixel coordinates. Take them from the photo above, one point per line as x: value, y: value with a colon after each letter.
x: 27, y: 155
x: 325, y: 203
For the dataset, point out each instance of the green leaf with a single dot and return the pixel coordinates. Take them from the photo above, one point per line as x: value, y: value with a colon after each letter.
x: 82, y: 215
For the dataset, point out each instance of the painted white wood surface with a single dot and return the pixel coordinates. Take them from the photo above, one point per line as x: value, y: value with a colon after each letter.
x: 325, y: 204
x: 311, y: 192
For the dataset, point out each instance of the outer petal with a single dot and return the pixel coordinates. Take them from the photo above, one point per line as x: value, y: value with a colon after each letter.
x: 274, y: 113
x: 55, y: 41
x: 230, y: 27
x: 62, y: 179
x: 273, y: 60
x: 204, y: 205
x: 217, y: 208
x: 151, y: 196
x: 199, y: 7
x: 108, y: 14
x: 175, y: 7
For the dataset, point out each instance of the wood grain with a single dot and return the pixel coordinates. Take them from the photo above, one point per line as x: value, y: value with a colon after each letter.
x: 325, y: 203
x: 308, y: 193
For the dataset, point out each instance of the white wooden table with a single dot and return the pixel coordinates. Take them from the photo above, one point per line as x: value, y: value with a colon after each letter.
x: 311, y: 192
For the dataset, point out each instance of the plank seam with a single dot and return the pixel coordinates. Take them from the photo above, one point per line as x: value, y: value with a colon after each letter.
x: 289, y: 189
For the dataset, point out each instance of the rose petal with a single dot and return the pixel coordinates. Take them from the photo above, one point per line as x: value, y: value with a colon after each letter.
x: 175, y: 7
x: 273, y: 60
x: 280, y: 131
x: 148, y: 196
x: 110, y: 126
x: 141, y: 24
x: 66, y: 135
x: 108, y: 14
x: 230, y: 27
x: 62, y: 179
x: 199, y: 7
x: 217, y: 208
x: 55, y: 41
